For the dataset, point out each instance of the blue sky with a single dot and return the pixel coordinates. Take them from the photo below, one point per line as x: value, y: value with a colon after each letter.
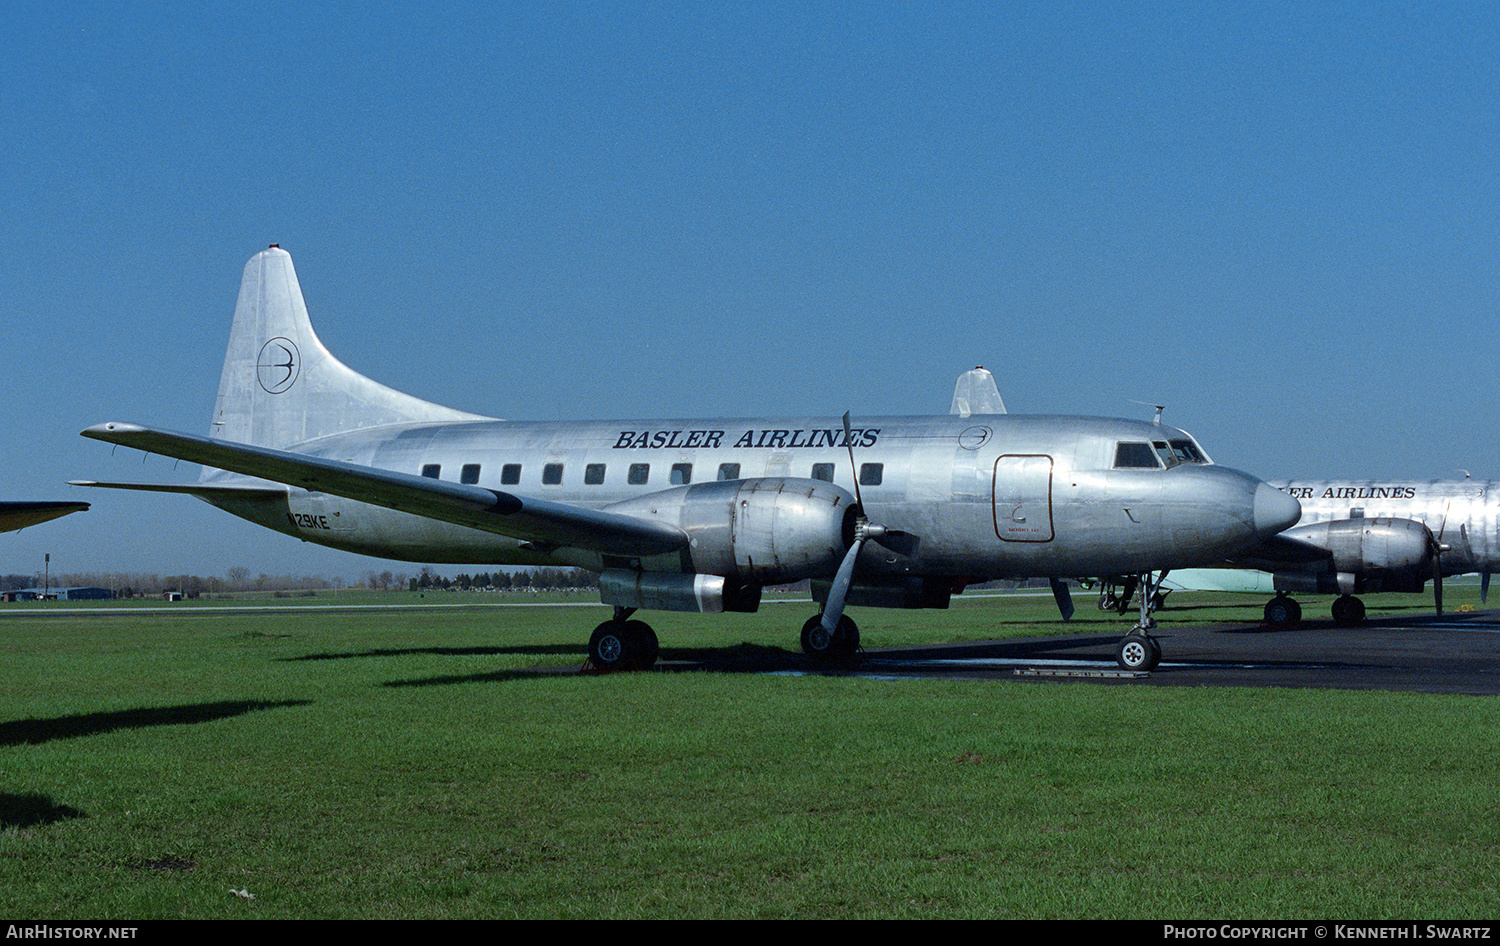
x: 1280, y: 220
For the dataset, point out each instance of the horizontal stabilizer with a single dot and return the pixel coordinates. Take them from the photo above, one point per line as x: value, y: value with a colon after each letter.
x: 19, y: 515
x: 553, y: 524
x: 193, y: 489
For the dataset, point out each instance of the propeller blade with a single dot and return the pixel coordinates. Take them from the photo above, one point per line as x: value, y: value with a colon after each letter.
x: 1063, y: 597
x: 902, y: 543
x: 1484, y: 587
x: 1437, y: 579
x: 853, y: 468
x: 833, y: 608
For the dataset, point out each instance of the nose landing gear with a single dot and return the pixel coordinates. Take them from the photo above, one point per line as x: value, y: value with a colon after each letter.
x: 1138, y: 650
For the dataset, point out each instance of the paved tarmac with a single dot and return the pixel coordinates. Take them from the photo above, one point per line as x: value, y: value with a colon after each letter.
x: 1417, y: 652
x: 1414, y: 651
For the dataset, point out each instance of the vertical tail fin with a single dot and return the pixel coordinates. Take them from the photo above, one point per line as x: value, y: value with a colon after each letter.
x: 281, y: 386
x: 975, y: 393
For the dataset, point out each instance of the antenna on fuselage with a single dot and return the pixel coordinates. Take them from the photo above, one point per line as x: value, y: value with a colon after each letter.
x: 1159, y: 408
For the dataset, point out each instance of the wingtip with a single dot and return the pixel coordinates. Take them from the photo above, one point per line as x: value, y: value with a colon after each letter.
x: 106, y: 430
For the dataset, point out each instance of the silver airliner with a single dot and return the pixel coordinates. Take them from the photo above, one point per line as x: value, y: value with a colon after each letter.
x: 694, y: 514
x: 1364, y: 537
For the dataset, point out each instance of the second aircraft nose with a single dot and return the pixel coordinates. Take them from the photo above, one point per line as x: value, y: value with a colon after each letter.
x: 1275, y: 511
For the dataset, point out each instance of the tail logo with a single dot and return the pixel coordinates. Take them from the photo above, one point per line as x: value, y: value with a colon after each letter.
x: 278, y: 365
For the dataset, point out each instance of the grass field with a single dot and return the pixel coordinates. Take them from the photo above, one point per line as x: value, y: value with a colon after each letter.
x: 196, y: 762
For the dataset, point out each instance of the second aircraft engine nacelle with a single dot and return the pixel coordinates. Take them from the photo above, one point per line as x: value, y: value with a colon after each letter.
x: 758, y: 531
x: 1383, y: 554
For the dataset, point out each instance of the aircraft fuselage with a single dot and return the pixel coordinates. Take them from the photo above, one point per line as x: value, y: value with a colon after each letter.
x: 990, y: 496
x: 1464, y: 515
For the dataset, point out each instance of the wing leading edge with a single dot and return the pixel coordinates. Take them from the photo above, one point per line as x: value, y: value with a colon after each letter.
x: 519, y: 517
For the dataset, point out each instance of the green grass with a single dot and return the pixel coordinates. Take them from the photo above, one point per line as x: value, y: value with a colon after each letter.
x: 410, y: 764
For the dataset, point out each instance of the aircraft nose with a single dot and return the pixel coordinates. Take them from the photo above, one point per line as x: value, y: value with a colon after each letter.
x: 1275, y: 511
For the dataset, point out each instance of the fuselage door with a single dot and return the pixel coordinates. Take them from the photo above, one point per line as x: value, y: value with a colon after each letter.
x: 1023, y: 498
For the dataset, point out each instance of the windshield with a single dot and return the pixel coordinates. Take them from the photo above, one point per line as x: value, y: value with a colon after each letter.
x: 1187, y: 452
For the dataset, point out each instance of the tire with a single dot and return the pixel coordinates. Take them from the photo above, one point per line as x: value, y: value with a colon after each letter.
x: 610, y: 646
x: 1138, y: 652
x: 1348, y: 611
x: 1282, y: 611
x: 821, y: 646
x: 643, y: 641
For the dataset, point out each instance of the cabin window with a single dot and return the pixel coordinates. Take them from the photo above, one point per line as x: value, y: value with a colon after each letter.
x: 1358, y: 512
x: 823, y: 471
x: 871, y: 474
x: 639, y: 474
x: 729, y: 471
x: 510, y: 474
x: 593, y: 474
x: 469, y: 474
x: 682, y: 474
x: 432, y: 470
x: 552, y: 474
x: 1135, y: 456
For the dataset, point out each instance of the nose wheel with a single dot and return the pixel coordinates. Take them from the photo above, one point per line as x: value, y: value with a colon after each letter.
x: 1138, y: 651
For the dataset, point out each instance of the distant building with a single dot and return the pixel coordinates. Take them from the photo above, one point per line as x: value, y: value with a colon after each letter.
x: 60, y: 594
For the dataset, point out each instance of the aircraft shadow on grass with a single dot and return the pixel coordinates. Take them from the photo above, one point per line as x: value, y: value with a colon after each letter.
x: 756, y: 658
x: 24, y: 732
x: 530, y: 649
x: 31, y: 809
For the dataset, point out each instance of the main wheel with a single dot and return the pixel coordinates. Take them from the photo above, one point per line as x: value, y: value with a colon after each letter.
x: 1138, y: 652
x: 643, y: 642
x: 609, y: 645
x: 623, y: 645
x: 1282, y: 611
x: 820, y: 645
x: 1348, y: 611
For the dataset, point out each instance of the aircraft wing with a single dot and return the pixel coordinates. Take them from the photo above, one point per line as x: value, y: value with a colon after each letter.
x: 19, y: 515
x: 519, y: 517
x: 1279, y: 552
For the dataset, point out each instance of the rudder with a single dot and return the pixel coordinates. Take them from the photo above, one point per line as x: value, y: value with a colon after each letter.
x: 281, y: 387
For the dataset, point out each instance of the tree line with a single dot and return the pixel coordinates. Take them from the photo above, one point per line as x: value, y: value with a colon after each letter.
x: 241, y: 579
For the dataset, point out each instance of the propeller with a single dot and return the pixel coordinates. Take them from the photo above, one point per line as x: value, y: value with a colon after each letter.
x: 1438, y: 548
x: 833, y: 608
x: 1063, y: 597
x: 1484, y: 587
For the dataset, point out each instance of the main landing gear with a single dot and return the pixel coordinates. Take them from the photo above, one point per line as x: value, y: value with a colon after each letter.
x: 621, y: 644
x: 1348, y: 611
x: 1138, y: 650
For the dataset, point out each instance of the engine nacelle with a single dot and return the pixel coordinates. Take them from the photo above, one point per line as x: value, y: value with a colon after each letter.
x: 671, y: 591
x: 763, y: 531
x: 1382, y: 554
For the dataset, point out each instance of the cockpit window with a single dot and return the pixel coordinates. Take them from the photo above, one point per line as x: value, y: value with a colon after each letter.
x: 1188, y: 452
x: 1165, y: 452
x: 1135, y: 456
